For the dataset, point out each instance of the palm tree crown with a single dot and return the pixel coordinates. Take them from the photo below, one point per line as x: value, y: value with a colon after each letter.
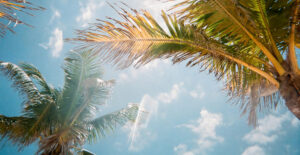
x: 62, y: 119
x: 248, y: 43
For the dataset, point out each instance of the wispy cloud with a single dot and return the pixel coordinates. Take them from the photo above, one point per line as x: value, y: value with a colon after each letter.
x: 205, y: 129
x: 56, y: 15
x: 268, y: 129
x: 168, y: 97
x: 197, y: 93
x: 254, y: 150
x: 150, y: 68
x: 88, y: 10
x: 295, y: 122
x: 140, y: 135
x: 55, y: 44
x: 156, y: 6
x: 182, y: 150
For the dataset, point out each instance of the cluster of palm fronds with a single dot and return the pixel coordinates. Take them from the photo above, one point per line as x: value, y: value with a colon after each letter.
x: 8, y: 13
x: 241, y: 41
x: 62, y: 119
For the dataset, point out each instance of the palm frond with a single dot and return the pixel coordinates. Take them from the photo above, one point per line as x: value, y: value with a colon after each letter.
x: 259, y: 9
x: 238, y: 21
x: 60, y: 119
x: 21, y: 82
x: 96, y: 93
x: 8, y: 13
x: 279, y: 15
x: 15, y: 129
x: 54, y: 144
x: 7, y: 124
x: 291, y: 56
x: 261, y: 96
x: 85, y: 152
x: 103, y: 125
x: 35, y: 74
x: 139, y: 39
x: 79, y: 68
x: 38, y: 106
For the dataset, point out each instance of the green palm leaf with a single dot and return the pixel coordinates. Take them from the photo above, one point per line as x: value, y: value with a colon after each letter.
x: 80, y: 67
x: 21, y: 81
x: 35, y: 74
x: 107, y: 123
x: 237, y: 20
x: 61, y: 119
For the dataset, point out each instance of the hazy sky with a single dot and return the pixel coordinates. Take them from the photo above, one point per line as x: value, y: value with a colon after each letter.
x: 188, y: 114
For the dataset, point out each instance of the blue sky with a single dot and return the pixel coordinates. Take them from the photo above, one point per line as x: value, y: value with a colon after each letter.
x: 188, y: 113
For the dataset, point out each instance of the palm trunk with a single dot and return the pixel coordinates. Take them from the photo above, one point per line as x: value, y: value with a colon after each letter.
x: 289, y: 90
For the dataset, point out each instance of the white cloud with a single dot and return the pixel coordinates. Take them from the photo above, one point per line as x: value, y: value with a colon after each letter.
x: 180, y: 147
x: 172, y: 95
x: 182, y: 150
x: 154, y: 66
x: 156, y: 6
x: 254, y: 150
x: 198, y: 93
x: 44, y: 46
x: 55, y: 44
x: 88, y: 10
x: 295, y: 122
x: 268, y: 129
x: 205, y: 129
x: 139, y: 134
x: 56, y: 15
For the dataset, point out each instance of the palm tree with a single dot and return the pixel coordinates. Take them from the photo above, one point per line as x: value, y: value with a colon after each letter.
x: 62, y: 119
x: 8, y: 13
x: 250, y: 44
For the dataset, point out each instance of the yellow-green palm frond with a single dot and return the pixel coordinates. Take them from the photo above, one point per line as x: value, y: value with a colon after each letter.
x: 279, y: 14
x: 139, y: 39
x: 219, y: 18
x: 8, y: 13
x: 263, y: 25
x: 242, y: 22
